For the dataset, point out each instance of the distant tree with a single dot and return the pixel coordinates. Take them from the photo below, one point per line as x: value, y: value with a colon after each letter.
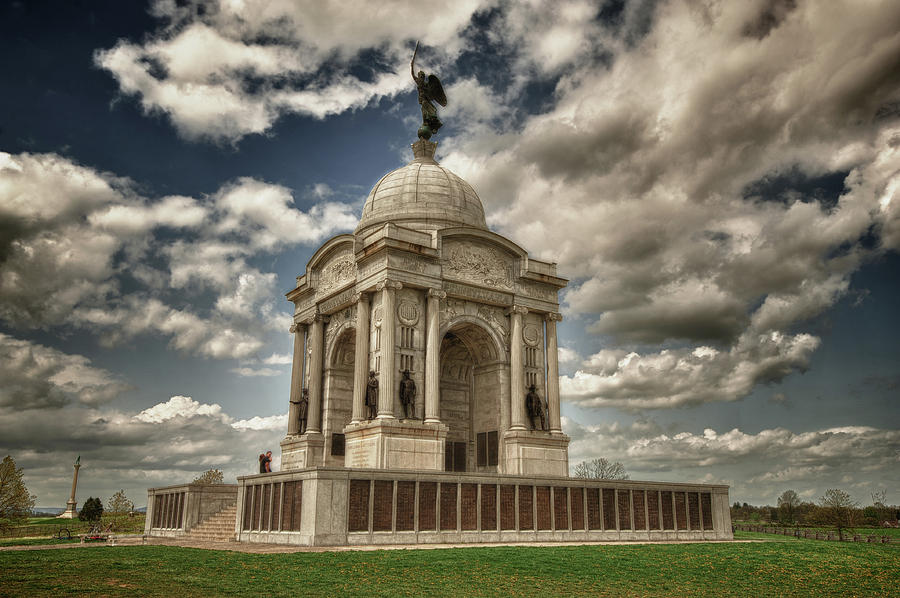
x: 91, y: 510
x: 838, y: 510
x: 119, y: 504
x: 788, y: 503
x: 601, y: 469
x: 16, y: 502
x: 210, y: 476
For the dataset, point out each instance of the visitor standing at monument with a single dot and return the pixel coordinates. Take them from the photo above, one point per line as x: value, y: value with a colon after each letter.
x: 265, y: 462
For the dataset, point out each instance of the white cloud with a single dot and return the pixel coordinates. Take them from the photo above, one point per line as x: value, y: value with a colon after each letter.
x: 681, y: 166
x: 169, y: 443
x: 75, y: 236
x: 250, y: 372
x: 273, y: 422
x: 278, y: 359
x: 758, y: 466
x: 36, y: 377
x: 681, y: 377
x: 196, y: 66
x: 180, y: 407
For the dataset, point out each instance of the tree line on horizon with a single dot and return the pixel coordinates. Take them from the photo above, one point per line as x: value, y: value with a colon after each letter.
x: 835, y: 508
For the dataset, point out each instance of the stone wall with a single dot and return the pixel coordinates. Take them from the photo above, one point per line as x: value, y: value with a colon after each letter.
x: 174, y: 510
x: 325, y: 507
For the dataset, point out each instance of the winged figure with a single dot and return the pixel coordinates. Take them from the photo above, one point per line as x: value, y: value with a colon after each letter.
x: 430, y: 91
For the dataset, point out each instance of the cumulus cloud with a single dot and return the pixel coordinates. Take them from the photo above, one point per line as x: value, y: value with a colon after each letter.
x: 178, y: 406
x: 75, y: 238
x: 224, y: 70
x: 682, y: 377
x: 683, y: 153
x: 759, y: 466
x: 39, y: 377
x: 171, y: 442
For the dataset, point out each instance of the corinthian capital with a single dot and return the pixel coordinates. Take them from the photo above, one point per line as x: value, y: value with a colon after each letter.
x: 518, y: 309
x: 437, y: 294
x: 389, y: 284
x: 293, y: 329
x: 553, y: 317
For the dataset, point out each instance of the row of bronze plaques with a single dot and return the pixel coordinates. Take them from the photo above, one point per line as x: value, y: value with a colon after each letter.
x: 168, y: 510
x: 444, y: 507
x: 272, y: 507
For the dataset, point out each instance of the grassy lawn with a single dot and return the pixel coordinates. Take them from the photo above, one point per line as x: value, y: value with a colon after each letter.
x: 49, y: 526
x: 768, y: 568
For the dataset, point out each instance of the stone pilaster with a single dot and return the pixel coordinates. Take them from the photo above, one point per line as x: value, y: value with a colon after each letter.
x: 517, y: 369
x: 553, y: 373
x: 296, y: 379
x: 388, y: 348
x: 361, y: 363
x: 432, y: 357
x: 317, y: 348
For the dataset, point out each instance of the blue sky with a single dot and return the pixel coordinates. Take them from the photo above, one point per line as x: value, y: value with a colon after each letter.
x: 718, y: 180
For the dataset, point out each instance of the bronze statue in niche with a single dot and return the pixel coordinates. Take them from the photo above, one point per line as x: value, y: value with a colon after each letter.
x: 302, y: 403
x: 372, y: 396
x: 535, y: 407
x: 408, y: 395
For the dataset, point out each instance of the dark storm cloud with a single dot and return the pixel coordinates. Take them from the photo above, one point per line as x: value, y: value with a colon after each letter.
x: 39, y: 377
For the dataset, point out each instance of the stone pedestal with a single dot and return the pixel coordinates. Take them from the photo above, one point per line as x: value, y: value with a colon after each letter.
x: 536, y: 453
x: 306, y: 450
x: 70, y: 512
x: 395, y: 444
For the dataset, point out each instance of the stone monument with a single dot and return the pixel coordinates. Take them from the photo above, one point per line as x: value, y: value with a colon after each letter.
x: 424, y: 310
x: 70, y: 512
x: 424, y: 295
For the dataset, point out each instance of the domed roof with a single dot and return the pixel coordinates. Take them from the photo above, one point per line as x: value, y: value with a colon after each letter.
x: 422, y: 195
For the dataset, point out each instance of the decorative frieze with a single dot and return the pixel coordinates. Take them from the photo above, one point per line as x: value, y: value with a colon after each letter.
x: 479, y: 264
x: 476, y: 294
x: 339, y: 271
x: 338, y: 301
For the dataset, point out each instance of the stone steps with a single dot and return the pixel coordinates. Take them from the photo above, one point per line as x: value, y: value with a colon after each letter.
x: 218, y: 528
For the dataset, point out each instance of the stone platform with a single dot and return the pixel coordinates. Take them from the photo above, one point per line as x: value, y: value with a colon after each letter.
x: 359, y: 507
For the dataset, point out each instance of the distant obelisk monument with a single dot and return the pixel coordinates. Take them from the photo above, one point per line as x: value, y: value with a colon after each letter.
x: 70, y: 512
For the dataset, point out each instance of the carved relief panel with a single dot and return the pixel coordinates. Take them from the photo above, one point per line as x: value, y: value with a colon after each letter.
x: 338, y: 271
x: 479, y: 264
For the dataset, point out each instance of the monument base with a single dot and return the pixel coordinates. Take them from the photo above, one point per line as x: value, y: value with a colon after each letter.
x: 536, y: 453
x: 305, y: 450
x: 395, y: 444
x: 70, y: 512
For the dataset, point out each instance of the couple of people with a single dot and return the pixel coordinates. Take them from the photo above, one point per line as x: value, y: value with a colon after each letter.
x: 265, y: 462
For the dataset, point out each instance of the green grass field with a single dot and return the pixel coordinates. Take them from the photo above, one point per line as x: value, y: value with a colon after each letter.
x: 795, y: 568
x: 49, y: 526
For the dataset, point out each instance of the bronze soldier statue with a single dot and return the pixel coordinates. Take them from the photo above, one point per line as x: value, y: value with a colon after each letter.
x: 430, y: 90
x: 535, y: 407
x: 372, y: 395
x: 408, y: 395
x: 302, y: 409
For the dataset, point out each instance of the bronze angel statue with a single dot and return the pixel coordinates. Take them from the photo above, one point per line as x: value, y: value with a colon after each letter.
x: 430, y: 90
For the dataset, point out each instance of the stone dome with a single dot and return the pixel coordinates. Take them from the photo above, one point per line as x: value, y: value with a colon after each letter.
x: 423, y: 196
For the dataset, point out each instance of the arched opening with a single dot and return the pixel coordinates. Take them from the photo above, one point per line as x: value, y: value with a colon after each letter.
x: 337, y: 405
x: 471, y: 386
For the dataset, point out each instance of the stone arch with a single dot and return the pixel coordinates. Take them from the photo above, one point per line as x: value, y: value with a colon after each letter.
x: 337, y: 391
x: 498, y: 344
x: 474, y: 372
